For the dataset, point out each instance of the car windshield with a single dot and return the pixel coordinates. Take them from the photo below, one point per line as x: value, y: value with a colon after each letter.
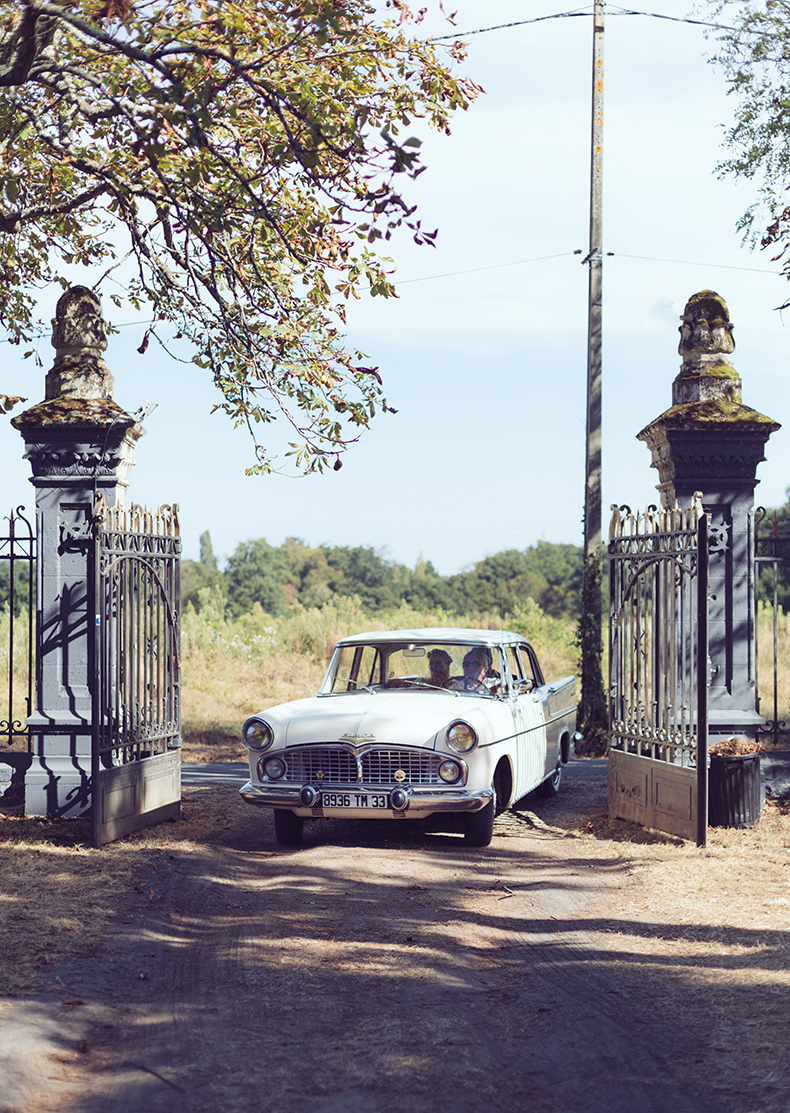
x: 410, y: 666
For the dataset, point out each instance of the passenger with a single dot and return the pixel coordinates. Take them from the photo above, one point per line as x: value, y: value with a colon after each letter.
x: 439, y: 661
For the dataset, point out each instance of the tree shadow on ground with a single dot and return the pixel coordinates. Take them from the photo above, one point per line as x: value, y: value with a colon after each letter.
x: 384, y: 968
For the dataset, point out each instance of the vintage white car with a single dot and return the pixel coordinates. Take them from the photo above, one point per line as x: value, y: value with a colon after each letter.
x: 409, y: 723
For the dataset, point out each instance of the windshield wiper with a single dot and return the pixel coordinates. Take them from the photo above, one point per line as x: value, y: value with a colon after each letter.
x: 357, y: 686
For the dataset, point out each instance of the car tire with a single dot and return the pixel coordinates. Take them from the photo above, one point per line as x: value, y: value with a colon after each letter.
x: 479, y: 826
x: 551, y: 786
x: 288, y: 828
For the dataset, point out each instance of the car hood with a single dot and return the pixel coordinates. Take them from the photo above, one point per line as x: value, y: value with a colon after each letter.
x: 399, y: 718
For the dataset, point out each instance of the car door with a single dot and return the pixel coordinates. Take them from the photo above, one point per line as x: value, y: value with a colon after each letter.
x: 543, y: 694
x: 529, y: 723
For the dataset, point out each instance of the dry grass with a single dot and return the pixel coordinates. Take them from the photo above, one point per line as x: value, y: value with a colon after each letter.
x: 713, y: 924
x: 739, y: 883
x: 59, y: 894
x: 765, y: 660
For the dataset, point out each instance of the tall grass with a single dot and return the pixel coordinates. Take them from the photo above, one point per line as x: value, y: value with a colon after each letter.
x: 14, y: 670
x: 765, y: 661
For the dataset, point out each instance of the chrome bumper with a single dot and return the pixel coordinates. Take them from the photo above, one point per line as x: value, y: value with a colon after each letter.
x: 280, y: 796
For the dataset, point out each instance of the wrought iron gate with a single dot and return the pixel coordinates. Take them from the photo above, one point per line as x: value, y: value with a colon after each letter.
x: 772, y: 566
x: 136, y: 775
x: 658, y: 669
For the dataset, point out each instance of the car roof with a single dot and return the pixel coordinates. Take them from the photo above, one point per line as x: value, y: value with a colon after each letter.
x: 437, y: 634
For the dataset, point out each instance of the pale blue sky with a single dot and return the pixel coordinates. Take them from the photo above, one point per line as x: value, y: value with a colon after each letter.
x: 487, y: 369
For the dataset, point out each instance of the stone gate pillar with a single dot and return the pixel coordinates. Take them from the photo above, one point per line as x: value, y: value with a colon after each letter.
x: 709, y: 441
x: 79, y: 443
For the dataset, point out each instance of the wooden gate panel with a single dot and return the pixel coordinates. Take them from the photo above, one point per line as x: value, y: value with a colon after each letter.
x: 137, y: 795
x: 653, y: 793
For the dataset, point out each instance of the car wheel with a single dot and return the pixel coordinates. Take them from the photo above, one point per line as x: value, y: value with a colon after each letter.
x: 479, y: 826
x: 551, y: 786
x: 288, y: 828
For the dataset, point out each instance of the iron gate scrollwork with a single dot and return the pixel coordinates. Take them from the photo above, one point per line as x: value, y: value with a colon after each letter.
x: 658, y: 668
x: 137, y: 670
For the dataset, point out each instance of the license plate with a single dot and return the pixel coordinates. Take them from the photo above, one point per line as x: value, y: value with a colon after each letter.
x: 374, y: 800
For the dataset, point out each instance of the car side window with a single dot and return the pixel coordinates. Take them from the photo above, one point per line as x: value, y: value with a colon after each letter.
x: 530, y: 666
x: 526, y: 671
x: 366, y: 668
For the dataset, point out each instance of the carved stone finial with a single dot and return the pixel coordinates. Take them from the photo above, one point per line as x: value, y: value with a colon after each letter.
x: 706, y: 343
x: 706, y: 327
x: 79, y: 337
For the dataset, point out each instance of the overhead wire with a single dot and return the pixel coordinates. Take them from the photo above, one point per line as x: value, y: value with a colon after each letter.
x: 490, y: 267
x: 578, y: 251
x: 576, y: 13
x: 691, y: 263
x: 519, y: 263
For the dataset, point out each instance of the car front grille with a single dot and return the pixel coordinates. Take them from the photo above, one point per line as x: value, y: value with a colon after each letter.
x: 322, y: 765
x: 380, y: 766
x: 329, y: 765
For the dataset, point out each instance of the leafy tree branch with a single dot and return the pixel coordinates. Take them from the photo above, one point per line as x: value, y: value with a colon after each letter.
x: 754, y: 54
x: 252, y: 154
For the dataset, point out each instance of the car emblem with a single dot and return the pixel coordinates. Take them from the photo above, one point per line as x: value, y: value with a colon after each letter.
x: 399, y: 775
x: 351, y: 737
x: 320, y: 774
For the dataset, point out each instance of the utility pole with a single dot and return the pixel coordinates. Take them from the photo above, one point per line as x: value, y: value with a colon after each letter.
x: 594, y: 711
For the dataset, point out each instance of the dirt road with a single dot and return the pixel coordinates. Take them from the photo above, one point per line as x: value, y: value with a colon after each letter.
x: 375, y: 969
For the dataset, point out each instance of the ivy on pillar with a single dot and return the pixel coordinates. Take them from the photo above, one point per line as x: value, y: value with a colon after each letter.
x: 79, y: 443
x: 709, y: 441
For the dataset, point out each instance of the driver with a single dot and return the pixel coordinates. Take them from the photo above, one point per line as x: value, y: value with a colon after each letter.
x: 476, y: 666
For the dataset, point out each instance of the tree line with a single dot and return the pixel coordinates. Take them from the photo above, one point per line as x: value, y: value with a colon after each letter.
x: 278, y: 576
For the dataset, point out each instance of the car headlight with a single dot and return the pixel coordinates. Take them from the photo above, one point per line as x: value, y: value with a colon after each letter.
x: 450, y: 771
x: 274, y: 768
x: 257, y: 735
x: 461, y: 737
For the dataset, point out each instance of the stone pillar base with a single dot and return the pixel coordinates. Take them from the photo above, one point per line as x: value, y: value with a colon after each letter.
x: 732, y: 724
x: 59, y: 786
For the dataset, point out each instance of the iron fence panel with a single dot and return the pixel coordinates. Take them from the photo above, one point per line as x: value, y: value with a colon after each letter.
x: 137, y: 670
x: 658, y: 678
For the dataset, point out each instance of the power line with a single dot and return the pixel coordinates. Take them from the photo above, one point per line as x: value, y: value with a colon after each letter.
x: 518, y: 263
x: 576, y: 13
x: 491, y: 267
x: 42, y: 335
x: 518, y: 23
x: 690, y: 263
x: 578, y: 251
x: 675, y: 19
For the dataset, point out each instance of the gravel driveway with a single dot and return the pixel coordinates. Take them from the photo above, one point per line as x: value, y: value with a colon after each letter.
x: 376, y: 969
